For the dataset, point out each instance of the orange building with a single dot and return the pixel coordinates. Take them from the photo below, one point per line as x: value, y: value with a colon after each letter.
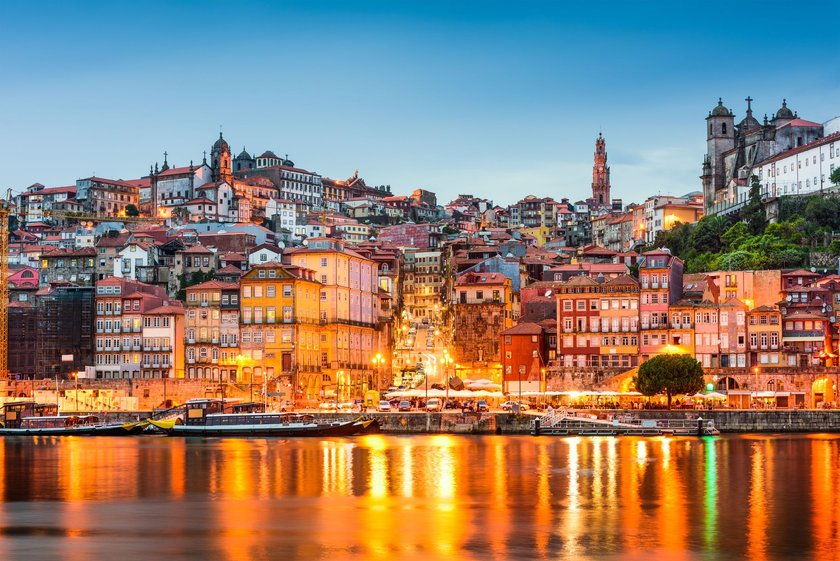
x: 280, y: 328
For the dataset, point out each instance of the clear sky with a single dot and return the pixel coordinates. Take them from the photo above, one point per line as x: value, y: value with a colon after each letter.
x: 498, y: 99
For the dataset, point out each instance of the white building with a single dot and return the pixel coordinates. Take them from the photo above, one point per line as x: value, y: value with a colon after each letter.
x: 264, y: 253
x: 133, y: 256
x: 175, y: 186
x: 286, y: 212
x: 800, y: 170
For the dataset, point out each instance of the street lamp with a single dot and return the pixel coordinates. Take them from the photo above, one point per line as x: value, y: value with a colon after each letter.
x: 378, y: 360
x: 445, y: 362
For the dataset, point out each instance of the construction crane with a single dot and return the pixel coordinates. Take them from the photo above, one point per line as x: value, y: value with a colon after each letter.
x: 5, y: 209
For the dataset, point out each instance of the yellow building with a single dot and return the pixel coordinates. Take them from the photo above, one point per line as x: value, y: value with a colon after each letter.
x: 349, y: 313
x: 280, y: 329
x: 540, y: 233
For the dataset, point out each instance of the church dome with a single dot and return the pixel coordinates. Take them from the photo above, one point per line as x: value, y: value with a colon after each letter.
x: 720, y: 110
x: 221, y: 145
x: 243, y: 155
x: 784, y: 112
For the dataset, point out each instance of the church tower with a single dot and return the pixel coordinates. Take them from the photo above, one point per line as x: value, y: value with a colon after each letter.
x: 220, y: 160
x: 601, y: 173
x: 720, y: 138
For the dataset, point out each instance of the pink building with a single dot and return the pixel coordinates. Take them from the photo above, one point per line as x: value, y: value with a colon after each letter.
x: 660, y: 276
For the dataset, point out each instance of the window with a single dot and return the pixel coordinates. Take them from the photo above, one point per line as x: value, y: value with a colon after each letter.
x: 269, y: 291
x: 567, y: 305
x: 287, y: 291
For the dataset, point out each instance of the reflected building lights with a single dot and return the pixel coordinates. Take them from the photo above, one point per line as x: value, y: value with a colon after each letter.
x: 710, y: 497
x: 757, y: 517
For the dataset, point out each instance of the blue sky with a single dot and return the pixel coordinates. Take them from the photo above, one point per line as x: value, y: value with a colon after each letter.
x: 498, y: 99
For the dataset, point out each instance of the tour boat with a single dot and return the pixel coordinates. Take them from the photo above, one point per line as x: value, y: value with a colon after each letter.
x: 207, y: 417
x: 573, y: 423
x: 40, y: 419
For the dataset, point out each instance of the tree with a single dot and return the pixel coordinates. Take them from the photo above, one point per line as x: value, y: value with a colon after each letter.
x: 753, y: 212
x: 835, y: 177
x: 672, y: 374
x: 131, y: 210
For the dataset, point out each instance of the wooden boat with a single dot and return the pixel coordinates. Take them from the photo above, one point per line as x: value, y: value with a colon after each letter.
x: 40, y: 419
x: 206, y: 417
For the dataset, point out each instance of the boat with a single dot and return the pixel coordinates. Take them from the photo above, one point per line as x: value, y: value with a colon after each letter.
x: 41, y: 419
x: 209, y: 417
x: 572, y: 423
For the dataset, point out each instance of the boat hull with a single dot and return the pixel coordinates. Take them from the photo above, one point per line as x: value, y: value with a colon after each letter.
x: 130, y: 429
x: 350, y: 428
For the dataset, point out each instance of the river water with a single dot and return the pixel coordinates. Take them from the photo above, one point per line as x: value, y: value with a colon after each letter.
x: 420, y: 497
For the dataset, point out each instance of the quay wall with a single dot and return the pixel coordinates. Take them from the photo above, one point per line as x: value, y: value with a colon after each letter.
x: 727, y: 421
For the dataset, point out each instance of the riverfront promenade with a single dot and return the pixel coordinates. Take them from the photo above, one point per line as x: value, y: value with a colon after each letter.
x: 728, y: 421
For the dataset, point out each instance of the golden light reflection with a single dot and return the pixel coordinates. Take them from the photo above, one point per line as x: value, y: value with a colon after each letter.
x: 425, y: 497
x: 544, y: 498
x: 757, y: 519
x: 825, y: 508
x: 571, y: 527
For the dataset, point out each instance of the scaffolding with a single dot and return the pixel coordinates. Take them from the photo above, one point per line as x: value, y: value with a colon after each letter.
x: 65, y: 327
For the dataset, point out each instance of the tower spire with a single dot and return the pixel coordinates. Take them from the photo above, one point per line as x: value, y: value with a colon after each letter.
x: 601, y: 173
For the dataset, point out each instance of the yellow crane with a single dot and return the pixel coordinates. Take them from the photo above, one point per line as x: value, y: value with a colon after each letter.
x: 5, y: 209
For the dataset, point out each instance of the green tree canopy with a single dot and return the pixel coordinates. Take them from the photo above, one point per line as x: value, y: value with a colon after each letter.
x: 835, y: 176
x: 753, y: 212
x: 672, y: 374
x: 131, y: 210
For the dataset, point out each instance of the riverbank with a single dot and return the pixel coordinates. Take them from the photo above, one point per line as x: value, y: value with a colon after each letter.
x: 726, y: 421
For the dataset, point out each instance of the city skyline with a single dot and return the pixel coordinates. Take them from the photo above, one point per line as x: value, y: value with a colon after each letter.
x: 482, y: 98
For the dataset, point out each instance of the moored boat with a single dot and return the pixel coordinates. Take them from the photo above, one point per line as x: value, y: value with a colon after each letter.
x: 206, y: 417
x: 40, y: 419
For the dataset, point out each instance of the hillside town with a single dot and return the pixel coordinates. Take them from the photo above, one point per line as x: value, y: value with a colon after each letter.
x: 253, y: 271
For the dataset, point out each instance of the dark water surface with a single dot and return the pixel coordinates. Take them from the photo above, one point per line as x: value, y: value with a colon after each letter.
x: 421, y: 497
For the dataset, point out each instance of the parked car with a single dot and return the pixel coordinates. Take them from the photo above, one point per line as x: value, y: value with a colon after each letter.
x: 327, y: 406
x: 404, y: 406
x: 384, y: 406
x: 509, y: 406
x: 481, y: 406
x: 434, y: 404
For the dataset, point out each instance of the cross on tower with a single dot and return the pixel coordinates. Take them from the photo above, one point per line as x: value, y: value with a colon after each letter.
x: 749, y: 101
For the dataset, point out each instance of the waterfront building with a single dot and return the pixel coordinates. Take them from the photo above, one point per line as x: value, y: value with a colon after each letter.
x: 163, y: 333
x: 804, y: 339
x: 211, y: 331
x: 681, y: 331
x: 578, y: 322
x: 733, y: 333
x: 483, y: 309
x: 121, y: 308
x: 706, y: 334
x: 280, y: 332
x: 422, y: 283
x: 349, y: 313
x: 764, y: 331
x: 660, y: 276
x: 619, y: 322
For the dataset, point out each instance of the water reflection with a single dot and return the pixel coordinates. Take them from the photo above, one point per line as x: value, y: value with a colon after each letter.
x: 421, y: 497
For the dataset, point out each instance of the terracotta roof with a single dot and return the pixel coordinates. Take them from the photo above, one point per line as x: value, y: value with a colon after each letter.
x: 525, y: 328
x: 765, y: 309
x: 197, y: 248
x: 166, y: 310
x: 803, y: 315
x: 818, y: 142
x: 481, y: 278
x: 230, y: 270
x: 623, y: 280
x: 214, y: 284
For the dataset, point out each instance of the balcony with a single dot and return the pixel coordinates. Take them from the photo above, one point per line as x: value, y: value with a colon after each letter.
x: 215, y: 340
x: 135, y: 347
x: 191, y: 340
x: 190, y: 361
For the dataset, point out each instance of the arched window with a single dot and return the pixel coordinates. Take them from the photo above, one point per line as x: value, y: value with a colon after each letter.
x: 723, y: 128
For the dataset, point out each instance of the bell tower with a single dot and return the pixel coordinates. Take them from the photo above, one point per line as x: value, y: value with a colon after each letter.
x: 601, y: 173
x: 220, y: 160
